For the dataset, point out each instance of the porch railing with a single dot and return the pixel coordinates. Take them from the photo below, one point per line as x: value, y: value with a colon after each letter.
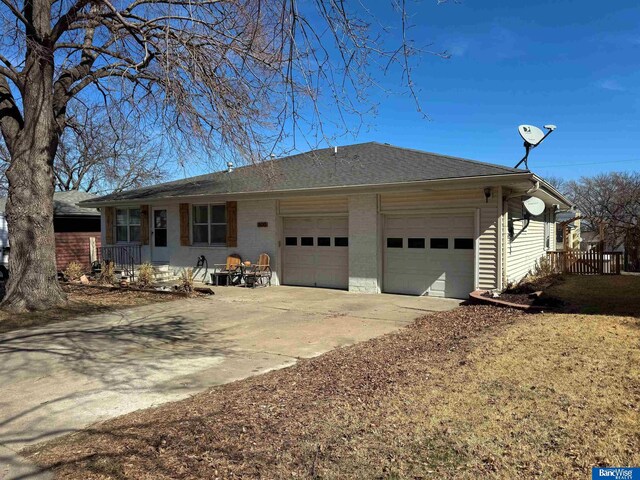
x: 124, y: 257
x: 592, y: 262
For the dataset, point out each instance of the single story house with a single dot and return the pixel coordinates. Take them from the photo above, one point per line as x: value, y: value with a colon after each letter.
x: 570, y: 220
x: 74, y: 227
x: 367, y: 218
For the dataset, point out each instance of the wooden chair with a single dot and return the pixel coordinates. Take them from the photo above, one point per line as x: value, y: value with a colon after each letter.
x: 259, y: 273
x: 230, y: 272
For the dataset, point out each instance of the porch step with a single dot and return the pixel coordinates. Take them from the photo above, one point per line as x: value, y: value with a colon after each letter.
x: 164, y: 274
x: 161, y: 274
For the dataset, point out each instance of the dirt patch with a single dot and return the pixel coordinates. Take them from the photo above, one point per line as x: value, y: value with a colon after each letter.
x: 82, y: 301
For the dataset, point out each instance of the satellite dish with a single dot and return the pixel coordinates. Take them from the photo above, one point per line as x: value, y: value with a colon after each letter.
x: 534, y: 206
x: 532, y: 135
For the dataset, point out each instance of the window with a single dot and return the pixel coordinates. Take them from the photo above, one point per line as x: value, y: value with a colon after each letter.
x: 394, y: 243
x: 559, y: 233
x: 324, y: 241
x: 291, y: 241
x: 463, y: 243
x: 416, y: 243
x: 306, y: 241
x: 127, y: 225
x: 209, y: 224
x: 341, y: 242
x: 439, y: 243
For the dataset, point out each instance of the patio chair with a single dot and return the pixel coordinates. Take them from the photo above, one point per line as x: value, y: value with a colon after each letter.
x: 230, y: 272
x: 258, y: 273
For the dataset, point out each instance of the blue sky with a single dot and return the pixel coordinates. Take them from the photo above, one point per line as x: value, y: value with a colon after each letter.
x: 575, y: 64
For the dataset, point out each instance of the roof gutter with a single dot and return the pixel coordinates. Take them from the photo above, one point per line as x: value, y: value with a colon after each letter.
x: 501, y: 178
x: 552, y: 191
x: 530, y: 192
x: 539, y: 185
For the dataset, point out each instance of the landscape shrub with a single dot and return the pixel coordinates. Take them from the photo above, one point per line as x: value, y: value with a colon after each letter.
x: 187, y: 280
x: 108, y: 274
x: 146, y: 275
x: 538, y: 278
x: 543, y: 268
x: 73, y: 272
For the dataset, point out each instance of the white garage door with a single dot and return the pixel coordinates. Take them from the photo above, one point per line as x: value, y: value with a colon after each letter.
x: 429, y: 255
x: 315, y: 252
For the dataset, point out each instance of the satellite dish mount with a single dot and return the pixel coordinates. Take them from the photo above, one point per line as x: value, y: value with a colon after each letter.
x: 532, y: 137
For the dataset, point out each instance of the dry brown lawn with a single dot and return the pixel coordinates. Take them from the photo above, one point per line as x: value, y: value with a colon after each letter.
x: 475, y: 392
x: 608, y: 295
x: 82, y: 301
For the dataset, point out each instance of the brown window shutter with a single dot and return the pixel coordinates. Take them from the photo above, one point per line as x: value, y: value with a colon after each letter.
x: 184, y: 225
x: 109, y: 214
x: 232, y: 224
x: 144, y: 224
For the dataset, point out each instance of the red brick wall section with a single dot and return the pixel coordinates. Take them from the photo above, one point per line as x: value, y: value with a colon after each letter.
x: 74, y: 246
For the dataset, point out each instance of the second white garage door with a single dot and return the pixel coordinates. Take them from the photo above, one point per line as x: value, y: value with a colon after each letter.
x: 315, y: 252
x: 429, y: 255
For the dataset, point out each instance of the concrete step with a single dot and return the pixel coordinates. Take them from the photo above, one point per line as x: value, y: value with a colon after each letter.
x: 162, y: 273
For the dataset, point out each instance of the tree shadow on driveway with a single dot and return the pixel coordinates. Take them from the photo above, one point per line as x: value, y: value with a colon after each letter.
x: 62, y: 378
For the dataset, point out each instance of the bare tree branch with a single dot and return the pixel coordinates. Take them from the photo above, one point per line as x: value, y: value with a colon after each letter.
x: 18, y: 14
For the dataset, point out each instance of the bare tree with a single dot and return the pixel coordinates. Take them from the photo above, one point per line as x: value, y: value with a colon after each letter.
x: 237, y: 75
x: 100, y: 155
x: 558, y: 183
x: 610, y: 205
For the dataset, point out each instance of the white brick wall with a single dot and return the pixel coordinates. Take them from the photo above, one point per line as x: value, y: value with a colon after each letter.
x: 363, y: 244
x: 252, y: 241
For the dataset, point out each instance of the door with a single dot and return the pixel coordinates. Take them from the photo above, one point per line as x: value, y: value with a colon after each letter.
x: 159, y: 234
x: 429, y: 255
x: 316, y: 252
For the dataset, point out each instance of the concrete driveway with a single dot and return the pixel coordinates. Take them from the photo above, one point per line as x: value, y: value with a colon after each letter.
x: 59, y: 379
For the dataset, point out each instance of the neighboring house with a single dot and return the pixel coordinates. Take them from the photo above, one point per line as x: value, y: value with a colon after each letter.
x: 73, y: 225
x: 572, y: 223
x: 368, y: 218
x: 591, y: 241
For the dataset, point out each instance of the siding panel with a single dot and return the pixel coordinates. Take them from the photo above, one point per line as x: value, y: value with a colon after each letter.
x: 313, y: 205
x: 392, y: 202
x: 526, y: 247
x: 488, y: 249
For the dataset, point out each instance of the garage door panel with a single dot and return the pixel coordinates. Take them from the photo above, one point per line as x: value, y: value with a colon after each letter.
x: 322, y: 264
x: 441, y: 272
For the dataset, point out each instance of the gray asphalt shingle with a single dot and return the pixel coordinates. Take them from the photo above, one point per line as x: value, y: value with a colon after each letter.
x: 353, y: 165
x: 65, y: 204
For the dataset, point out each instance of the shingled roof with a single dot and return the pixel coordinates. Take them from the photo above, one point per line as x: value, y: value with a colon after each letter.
x: 65, y: 204
x: 353, y: 165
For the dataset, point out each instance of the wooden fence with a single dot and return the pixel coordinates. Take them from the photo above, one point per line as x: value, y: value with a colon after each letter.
x: 586, y: 263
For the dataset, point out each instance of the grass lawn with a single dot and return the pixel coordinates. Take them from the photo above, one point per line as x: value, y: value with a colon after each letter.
x: 82, y: 301
x: 475, y: 392
x: 608, y: 295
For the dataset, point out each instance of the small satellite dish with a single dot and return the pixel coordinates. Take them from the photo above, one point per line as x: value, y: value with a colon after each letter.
x: 534, y: 206
x: 532, y: 135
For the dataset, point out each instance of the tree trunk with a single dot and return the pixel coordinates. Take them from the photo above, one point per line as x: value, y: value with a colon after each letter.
x: 33, y: 283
